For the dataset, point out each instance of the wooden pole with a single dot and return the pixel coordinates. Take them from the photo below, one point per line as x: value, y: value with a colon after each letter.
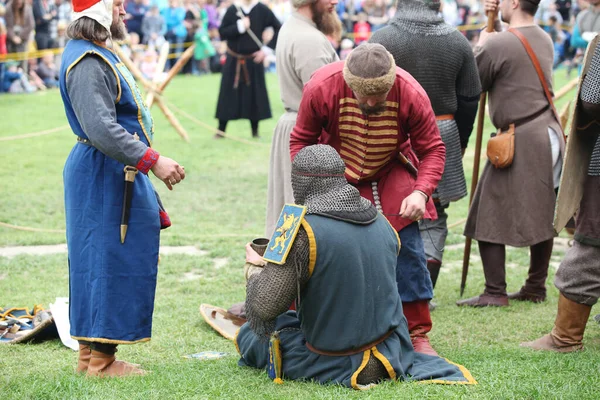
x: 176, y: 68
x: 480, y: 121
x: 566, y: 89
x: 160, y: 67
x: 564, y: 115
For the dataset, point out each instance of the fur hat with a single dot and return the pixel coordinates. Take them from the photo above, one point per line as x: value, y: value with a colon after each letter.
x: 300, y: 3
x: 99, y: 10
x: 370, y: 70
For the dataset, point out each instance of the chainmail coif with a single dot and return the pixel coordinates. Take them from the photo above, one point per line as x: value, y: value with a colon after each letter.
x: 319, y: 183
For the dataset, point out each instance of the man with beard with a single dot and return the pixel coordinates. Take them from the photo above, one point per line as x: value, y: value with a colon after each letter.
x: 440, y: 58
x: 302, y: 48
x: 243, y: 93
x: 368, y: 109
x: 112, y: 247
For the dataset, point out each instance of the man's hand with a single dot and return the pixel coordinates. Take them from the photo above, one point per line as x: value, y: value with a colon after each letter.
x: 168, y: 171
x: 259, y: 56
x: 253, y: 257
x: 413, y: 207
x: 491, y: 5
x: 246, y: 22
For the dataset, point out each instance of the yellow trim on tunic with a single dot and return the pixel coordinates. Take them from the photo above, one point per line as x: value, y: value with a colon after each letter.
x: 110, y: 341
x: 386, y: 363
x: 312, y: 245
x: 370, y: 151
x: 367, y: 156
x: 105, y: 60
x: 354, y: 130
x: 465, y: 372
x: 350, y: 100
x: 134, y: 88
x: 365, y: 360
x: 365, y: 171
x: 353, y: 118
x: 237, y: 346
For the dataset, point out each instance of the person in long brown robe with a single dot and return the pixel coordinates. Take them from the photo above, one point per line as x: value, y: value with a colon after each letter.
x: 514, y: 206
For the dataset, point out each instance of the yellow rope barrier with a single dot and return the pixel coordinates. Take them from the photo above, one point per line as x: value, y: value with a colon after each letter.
x: 34, y: 134
x: 29, y: 229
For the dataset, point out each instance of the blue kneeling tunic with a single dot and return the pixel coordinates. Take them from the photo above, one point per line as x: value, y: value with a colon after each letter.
x: 111, y: 285
x: 351, y: 300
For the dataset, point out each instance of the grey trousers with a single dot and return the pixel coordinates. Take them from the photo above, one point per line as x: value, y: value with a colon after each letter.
x: 578, y: 277
x: 434, y: 234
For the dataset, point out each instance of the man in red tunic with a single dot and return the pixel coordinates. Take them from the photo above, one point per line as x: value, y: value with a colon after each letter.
x: 376, y: 115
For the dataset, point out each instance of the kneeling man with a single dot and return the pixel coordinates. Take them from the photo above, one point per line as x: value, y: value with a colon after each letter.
x: 337, y: 260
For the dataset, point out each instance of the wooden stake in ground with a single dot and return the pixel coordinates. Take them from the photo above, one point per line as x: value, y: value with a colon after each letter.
x: 157, y: 90
x: 480, y: 120
x: 174, y: 70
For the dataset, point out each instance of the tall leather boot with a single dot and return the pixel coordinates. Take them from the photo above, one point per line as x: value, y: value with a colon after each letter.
x: 104, y: 364
x: 433, y: 266
x: 85, y: 353
x: 419, y: 324
x: 567, y: 334
x: 493, y: 258
x: 534, y: 289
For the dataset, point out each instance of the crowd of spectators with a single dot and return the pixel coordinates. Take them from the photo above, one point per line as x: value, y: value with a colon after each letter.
x: 32, y: 33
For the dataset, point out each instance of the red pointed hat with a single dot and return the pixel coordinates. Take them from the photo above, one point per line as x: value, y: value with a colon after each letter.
x: 98, y: 10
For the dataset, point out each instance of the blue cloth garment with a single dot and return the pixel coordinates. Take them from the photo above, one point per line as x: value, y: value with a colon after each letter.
x: 111, y: 285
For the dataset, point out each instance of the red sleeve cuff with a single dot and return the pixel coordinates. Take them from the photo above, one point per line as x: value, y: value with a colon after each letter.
x: 148, y: 160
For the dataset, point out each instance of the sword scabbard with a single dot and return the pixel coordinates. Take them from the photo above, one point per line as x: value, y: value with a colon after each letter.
x: 130, y: 173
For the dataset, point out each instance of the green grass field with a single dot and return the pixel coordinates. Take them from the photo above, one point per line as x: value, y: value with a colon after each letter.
x: 218, y: 208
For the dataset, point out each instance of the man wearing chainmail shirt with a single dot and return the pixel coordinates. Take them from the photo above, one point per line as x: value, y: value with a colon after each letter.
x: 341, y: 267
x: 578, y: 277
x: 440, y: 58
x: 377, y: 117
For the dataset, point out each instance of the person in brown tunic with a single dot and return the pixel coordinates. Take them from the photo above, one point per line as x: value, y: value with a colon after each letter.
x: 578, y: 277
x: 514, y: 206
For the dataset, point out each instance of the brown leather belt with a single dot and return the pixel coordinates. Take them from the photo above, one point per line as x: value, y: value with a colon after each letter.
x: 444, y: 117
x: 241, y: 64
x: 351, y: 351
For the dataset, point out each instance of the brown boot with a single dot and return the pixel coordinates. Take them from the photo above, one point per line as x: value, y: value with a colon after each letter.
x: 484, y: 300
x: 567, y: 334
x: 106, y: 365
x: 85, y: 353
x: 522, y: 295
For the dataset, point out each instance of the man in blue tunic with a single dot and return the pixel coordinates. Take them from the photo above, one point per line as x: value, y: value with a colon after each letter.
x: 112, y: 271
x: 340, y: 267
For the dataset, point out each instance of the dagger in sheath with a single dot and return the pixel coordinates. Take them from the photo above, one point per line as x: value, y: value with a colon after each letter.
x: 130, y: 173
